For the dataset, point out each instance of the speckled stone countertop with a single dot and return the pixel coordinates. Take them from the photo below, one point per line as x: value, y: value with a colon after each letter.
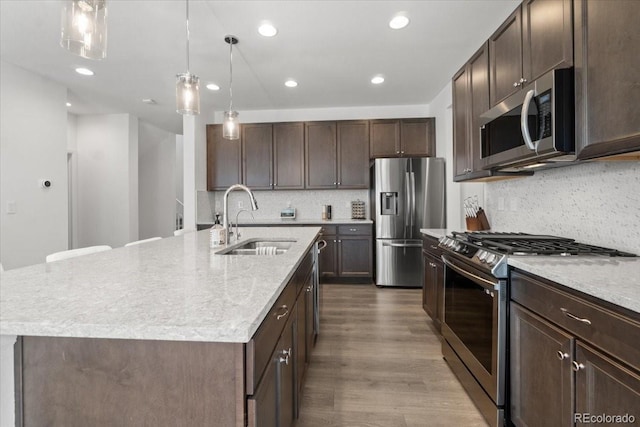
x: 438, y: 233
x: 174, y: 289
x: 616, y: 280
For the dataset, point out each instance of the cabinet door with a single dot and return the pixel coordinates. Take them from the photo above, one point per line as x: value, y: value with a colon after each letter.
x: 223, y: 160
x: 257, y: 155
x: 354, y: 257
x: 606, y: 78
x: 288, y: 153
x: 320, y: 155
x: 505, y: 56
x: 327, y: 259
x: 385, y: 138
x: 262, y: 407
x: 353, y: 154
x: 547, y: 36
x: 604, y: 386
x: 461, y: 102
x: 479, y: 100
x: 541, y: 376
x: 418, y: 137
x: 286, y: 378
x: 429, y: 290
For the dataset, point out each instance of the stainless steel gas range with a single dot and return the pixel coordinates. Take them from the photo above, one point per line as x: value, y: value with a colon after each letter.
x: 475, y: 307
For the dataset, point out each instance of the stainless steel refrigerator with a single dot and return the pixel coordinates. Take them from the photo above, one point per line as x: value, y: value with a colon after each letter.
x: 409, y: 194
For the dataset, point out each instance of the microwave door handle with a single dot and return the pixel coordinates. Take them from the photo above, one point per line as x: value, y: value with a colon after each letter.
x: 524, y: 126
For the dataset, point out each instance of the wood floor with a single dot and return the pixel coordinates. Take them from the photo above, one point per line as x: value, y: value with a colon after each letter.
x: 377, y: 363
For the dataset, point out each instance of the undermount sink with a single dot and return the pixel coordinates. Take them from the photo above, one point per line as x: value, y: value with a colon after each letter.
x: 252, y: 247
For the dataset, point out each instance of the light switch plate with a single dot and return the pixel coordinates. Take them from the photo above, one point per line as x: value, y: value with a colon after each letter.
x: 11, y: 207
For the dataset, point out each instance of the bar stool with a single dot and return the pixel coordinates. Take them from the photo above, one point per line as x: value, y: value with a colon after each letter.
x: 138, y: 242
x: 72, y: 253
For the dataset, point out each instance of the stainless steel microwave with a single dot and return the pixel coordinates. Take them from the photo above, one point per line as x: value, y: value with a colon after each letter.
x: 533, y: 127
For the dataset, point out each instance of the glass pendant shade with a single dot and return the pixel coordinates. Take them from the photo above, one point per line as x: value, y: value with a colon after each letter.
x: 231, y: 125
x: 84, y: 28
x: 188, y: 94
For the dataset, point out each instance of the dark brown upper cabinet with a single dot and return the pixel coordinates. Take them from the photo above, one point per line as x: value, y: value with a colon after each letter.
x: 223, y: 160
x: 337, y: 154
x: 320, y: 155
x: 257, y: 155
x: 535, y: 38
x: 403, y: 138
x: 607, y: 79
x: 288, y: 156
x: 353, y: 154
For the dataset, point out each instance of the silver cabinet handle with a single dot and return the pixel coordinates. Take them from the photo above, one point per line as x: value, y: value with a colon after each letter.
x: 432, y: 265
x: 339, y: 241
x: 323, y: 243
x: 309, y: 288
x: 286, y: 311
x: 334, y: 183
x: 516, y: 84
x: 522, y: 80
x: 335, y: 241
x: 339, y: 183
x: 577, y: 366
x: 574, y: 317
x: 562, y: 355
x: 353, y: 229
x: 285, y: 356
x: 435, y: 248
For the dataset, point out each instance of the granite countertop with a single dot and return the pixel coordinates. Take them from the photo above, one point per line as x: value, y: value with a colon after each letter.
x: 438, y: 233
x: 173, y: 289
x: 612, y: 279
x: 271, y: 221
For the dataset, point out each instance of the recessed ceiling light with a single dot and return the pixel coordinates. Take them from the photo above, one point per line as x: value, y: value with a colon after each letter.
x: 267, y: 30
x: 213, y: 86
x: 68, y: 104
x: 84, y: 71
x: 291, y: 83
x: 377, y: 80
x: 398, y: 22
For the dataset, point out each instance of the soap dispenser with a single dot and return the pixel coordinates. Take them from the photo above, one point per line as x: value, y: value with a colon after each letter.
x: 217, y: 234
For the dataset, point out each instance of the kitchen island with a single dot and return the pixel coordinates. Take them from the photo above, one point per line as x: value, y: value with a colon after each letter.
x: 164, y: 333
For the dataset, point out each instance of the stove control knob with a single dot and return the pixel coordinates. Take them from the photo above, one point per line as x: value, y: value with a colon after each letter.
x: 482, y: 255
x: 491, y: 259
x: 451, y: 243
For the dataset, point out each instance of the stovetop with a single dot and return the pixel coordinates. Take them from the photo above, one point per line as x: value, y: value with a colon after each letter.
x: 489, y: 251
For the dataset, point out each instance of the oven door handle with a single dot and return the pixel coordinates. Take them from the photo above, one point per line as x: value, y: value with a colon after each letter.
x: 494, y: 285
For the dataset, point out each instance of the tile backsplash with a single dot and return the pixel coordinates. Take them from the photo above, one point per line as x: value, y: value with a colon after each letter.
x: 308, y: 203
x: 596, y: 203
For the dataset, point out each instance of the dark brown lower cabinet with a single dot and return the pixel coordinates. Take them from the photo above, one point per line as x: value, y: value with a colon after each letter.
x: 541, y: 375
x: 571, y: 361
x: 348, y: 254
x: 433, y: 290
x: 605, y: 386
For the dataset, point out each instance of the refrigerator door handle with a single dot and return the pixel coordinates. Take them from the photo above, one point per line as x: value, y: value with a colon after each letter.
x: 413, y: 202
x: 407, y: 204
x: 403, y: 245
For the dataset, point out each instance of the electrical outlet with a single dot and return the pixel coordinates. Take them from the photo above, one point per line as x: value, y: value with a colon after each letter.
x: 240, y: 204
x: 513, y: 205
x: 500, y: 203
x: 11, y: 207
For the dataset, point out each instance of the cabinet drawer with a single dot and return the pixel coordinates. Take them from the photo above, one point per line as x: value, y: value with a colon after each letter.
x: 612, y: 332
x: 328, y: 230
x: 259, y: 349
x: 430, y: 246
x: 354, y: 230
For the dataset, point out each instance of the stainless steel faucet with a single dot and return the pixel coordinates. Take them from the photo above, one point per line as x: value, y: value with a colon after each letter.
x: 225, y: 214
x: 237, y: 232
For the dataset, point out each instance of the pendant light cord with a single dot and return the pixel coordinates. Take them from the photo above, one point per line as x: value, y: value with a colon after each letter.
x: 231, y: 75
x: 188, y: 37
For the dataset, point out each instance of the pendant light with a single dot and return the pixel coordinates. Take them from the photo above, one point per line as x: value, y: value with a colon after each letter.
x: 188, y: 86
x: 231, y: 125
x: 84, y: 28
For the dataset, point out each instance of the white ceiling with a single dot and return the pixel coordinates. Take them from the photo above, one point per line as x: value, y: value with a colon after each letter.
x: 332, y: 48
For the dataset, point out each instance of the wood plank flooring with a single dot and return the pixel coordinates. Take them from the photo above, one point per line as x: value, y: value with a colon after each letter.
x: 378, y: 363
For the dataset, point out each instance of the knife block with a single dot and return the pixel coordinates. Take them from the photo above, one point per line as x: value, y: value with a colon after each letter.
x: 478, y: 223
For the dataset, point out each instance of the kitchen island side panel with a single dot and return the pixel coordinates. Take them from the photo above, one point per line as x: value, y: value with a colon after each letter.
x: 87, y: 381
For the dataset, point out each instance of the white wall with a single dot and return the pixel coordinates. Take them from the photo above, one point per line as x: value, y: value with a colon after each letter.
x: 33, y: 146
x: 596, y: 203
x: 440, y: 108
x: 107, y: 179
x: 156, y: 181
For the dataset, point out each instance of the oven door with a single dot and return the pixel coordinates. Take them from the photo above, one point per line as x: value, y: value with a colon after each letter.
x: 474, y: 324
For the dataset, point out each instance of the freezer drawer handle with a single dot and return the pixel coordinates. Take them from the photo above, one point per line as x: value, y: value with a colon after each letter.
x: 403, y: 245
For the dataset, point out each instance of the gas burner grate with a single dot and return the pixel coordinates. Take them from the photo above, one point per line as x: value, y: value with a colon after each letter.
x: 530, y: 244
